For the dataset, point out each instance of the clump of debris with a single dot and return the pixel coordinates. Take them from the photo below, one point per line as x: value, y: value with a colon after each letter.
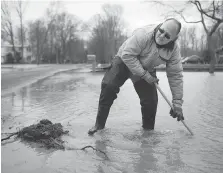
x: 45, y: 133
x: 48, y: 135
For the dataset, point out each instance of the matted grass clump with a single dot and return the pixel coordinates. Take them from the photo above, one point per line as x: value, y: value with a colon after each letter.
x: 48, y: 135
x: 45, y: 133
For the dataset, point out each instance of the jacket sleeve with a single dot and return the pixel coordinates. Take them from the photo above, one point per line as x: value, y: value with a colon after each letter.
x: 174, y: 72
x: 133, y: 47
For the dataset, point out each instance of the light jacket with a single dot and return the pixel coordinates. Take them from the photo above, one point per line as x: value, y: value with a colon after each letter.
x: 140, y: 54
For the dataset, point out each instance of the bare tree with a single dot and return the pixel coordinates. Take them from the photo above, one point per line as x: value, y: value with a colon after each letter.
x: 184, y: 42
x: 211, y: 12
x: 107, y: 33
x: 192, y: 37
x: 7, y: 24
x: 66, y: 25
x: 20, y: 9
x: 61, y: 28
x: 98, y: 40
x: 42, y: 32
x: 202, y: 42
x: 114, y: 24
x: 37, y: 32
x: 54, y: 9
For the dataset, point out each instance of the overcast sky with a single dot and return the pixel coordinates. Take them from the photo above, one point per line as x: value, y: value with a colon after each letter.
x: 136, y: 13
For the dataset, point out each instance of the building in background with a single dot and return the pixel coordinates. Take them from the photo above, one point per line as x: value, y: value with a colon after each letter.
x: 7, y: 49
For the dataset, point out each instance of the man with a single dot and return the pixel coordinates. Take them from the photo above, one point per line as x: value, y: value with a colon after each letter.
x: 136, y: 59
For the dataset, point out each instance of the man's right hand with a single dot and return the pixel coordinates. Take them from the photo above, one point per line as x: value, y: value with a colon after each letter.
x: 177, y: 112
x: 149, y: 78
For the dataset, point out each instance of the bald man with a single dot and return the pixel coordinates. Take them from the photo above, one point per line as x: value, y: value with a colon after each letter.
x: 136, y: 59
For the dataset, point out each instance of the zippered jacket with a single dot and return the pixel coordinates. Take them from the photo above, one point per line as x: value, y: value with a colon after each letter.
x: 141, y: 55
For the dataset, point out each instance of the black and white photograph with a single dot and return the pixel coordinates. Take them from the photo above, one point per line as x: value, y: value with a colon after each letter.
x: 112, y: 86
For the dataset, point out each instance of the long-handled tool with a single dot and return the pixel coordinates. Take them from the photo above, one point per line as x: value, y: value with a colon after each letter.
x: 161, y: 92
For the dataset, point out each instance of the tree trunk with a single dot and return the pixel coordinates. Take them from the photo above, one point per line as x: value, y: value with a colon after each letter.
x: 63, y: 51
x: 22, y: 36
x: 13, y: 44
x: 14, y: 51
x: 211, y: 54
x: 57, y: 55
x: 70, y: 51
x: 37, y: 45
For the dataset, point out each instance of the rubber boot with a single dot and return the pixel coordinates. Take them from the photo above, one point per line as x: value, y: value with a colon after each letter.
x: 101, y: 118
x: 148, y: 101
x: 148, y: 118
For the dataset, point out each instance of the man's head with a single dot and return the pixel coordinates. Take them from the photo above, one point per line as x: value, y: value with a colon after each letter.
x: 168, y: 31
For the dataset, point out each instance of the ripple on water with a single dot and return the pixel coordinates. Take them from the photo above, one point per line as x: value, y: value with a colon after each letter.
x: 72, y: 99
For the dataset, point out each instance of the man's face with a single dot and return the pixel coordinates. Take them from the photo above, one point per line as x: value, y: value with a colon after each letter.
x: 167, y: 32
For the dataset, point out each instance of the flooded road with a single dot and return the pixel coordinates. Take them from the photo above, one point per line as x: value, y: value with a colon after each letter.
x: 71, y: 98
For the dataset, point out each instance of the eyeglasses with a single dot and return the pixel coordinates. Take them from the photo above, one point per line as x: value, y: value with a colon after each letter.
x: 166, y: 35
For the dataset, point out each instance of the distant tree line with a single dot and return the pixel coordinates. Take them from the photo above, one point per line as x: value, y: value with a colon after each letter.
x: 193, y: 44
x: 55, y: 38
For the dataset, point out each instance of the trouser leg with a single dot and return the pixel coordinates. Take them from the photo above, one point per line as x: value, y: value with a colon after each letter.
x: 148, y: 99
x: 113, y: 79
x: 107, y: 97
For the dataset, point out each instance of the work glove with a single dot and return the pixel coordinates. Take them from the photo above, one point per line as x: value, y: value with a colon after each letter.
x: 177, y: 112
x: 149, y: 78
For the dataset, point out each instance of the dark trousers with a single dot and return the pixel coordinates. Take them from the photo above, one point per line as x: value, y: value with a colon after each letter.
x: 113, y: 79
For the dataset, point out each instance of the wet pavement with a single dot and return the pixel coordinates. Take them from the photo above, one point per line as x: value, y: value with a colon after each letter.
x: 14, y: 77
x: 71, y: 98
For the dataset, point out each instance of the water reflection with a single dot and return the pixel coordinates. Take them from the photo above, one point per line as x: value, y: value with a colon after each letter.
x: 72, y: 100
x: 13, y: 97
x: 158, y: 152
x: 102, y: 165
x: 19, y: 99
x: 173, y: 158
x: 113, y: 163
x: 146, y: 161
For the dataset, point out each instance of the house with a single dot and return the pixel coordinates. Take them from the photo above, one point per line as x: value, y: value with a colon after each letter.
x: 7, y: 48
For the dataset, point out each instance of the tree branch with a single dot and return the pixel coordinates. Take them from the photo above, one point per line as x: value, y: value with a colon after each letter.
x: 89, y: 146
x: 202, y: 17
x: 7, y: 30
x: 182, y: 16
x: 214, y: 28
x: 200, y: 9
x: 3, y: 139
x: 180, y: 12
x: 213, y: 8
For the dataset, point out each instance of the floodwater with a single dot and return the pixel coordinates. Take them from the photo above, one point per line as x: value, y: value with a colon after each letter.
x: 71, y: 98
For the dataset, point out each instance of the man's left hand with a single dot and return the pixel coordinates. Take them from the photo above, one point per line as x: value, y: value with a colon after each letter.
x: 177, y: 112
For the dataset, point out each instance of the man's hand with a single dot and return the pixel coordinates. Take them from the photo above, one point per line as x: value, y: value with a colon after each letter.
x: 149, y: 78
x: 177, y: 112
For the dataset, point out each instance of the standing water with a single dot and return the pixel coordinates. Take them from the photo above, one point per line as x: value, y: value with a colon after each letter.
x: 71, y: 98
